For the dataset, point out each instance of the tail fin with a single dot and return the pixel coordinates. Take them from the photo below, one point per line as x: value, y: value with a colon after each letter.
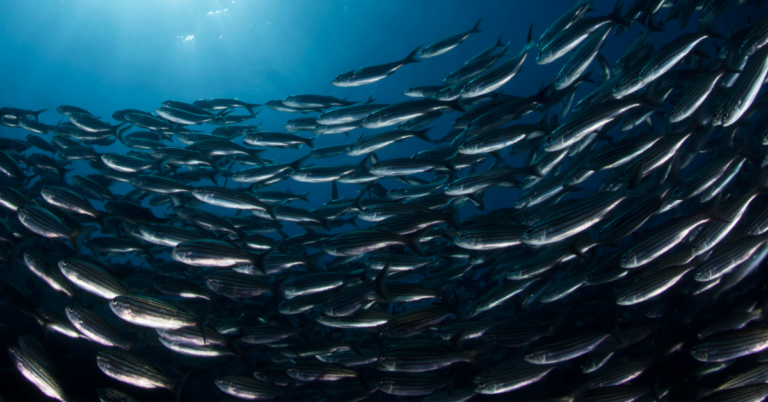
x: 37, y: 113
x: 120, y: 128
x: 499, y: 43
x: 251, y: 106
x: 370, y: 100
x: 380, y: 283
x: 476, y: 28
x: 618, y: 17
x: 709, y: 31
x: 414, y: 241
x: 411, y: 58
x: 422, y: 134
x: 456, y: 105
x: 655, y: 26
x: 715, y: 213
x: 529, y: 43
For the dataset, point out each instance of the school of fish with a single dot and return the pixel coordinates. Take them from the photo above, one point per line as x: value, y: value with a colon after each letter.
x: 650, y: 288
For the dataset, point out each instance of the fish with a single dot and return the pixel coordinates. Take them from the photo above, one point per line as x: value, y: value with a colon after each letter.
x: 37, y: 374
x: 445, y: 45
x: 369, y: 75
x: 472, y: 238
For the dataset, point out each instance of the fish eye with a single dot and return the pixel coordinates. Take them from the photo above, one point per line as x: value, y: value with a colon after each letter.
x: 698, y: 272
x: 624, y: 257
x: 114, y: 302
x: 617, y: 87
x: 622, y: 296
x: 462, y: 236
x: 549, y: 139
x: 481, y: 384
x: 693, y: 248
x: 365, y: 209
x: 383, y: 357
x: 529, y: 232
x: 694, y: 349
x: 291, y: 369
x: 600, y: 234
x: 386, y: 326
x: 380, y: 381
x: 529, y: 353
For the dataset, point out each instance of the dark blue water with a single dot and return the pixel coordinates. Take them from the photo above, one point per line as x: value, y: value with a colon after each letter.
x: 110, y: 55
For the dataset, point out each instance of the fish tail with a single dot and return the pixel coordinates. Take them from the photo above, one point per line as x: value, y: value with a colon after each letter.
x: 529, y: 43
x: 618, y: 17
x: 499, y: 43
x: 476, y: 28
x: 411, y: 58
x: 37, y: 113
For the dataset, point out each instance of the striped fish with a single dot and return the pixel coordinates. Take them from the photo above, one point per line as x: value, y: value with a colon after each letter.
x: 35, y: 349
x: 152, y: 313
x: 565, y: 347
x: 410, y: 384
x: 247, y: 388
x: 731, y: 344
x: 510, y: 376
x: 113, y: 395
x: 415, y: 320
x: 46, y: 224
x: 48, y: 272
x: 138, y: 372
x: 96, y: 328
x: 167, y: 235
x: 37, y: 374
x: 92, y: 278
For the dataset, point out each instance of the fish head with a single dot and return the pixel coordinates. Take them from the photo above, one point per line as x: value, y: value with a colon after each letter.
x: 331, y: 247
x: 119, y: 306
x: 468, y: 241
x: 66, y: 268
x: 224, y: 384
x: 342, y: 79
x: 373, y: 122
x: 385, y: 363
x: 553, y: 142
x: 298, y: 174
x: 700, y: 353
x: 625, y: 298
x: 293, y: 372
x: 385, y: 384
x: 629, y: 260
x: 485, y: 387
x: 543, y: 57
x: 535, y: 235
x: 703, y: 275
x: 699, y: 247
x: 536, y: 356
x: 470, y: 310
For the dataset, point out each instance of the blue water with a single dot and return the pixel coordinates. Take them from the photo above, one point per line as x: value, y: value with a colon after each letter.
x: 110, y: 55
x: 105, y: 56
